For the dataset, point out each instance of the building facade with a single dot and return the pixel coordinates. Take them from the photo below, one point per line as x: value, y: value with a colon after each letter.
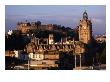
x: 23, y: 26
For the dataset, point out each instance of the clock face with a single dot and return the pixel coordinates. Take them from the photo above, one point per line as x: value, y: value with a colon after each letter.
x: 84, y: 27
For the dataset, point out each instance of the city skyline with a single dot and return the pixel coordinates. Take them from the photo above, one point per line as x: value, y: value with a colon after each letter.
x: 65, y: 15
x: 38, y: 44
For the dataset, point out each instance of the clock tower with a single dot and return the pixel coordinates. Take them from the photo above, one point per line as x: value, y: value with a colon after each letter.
x: 85, y: 29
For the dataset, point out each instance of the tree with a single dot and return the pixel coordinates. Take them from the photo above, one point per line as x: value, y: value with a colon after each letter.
x: 103, y: 56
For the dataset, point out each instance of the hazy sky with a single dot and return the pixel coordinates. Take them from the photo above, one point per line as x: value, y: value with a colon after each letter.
x: 66, y: 15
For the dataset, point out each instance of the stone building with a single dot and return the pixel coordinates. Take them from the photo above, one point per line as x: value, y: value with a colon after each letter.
x: 101, y: 38
x: 31, y: 47
x: 50, y: 27
x: 85, y: 29
x: 34, y: 25
x: 23, y: 26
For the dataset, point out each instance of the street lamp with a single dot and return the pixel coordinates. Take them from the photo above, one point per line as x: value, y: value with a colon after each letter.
x: 29, y: 56
x: 28, y: 64
x: 28, y: 61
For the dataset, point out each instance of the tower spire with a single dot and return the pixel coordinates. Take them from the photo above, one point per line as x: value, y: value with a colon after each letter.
x: 85, y: 15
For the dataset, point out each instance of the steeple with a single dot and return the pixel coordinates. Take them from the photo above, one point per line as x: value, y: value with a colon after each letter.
x: 85, y: 15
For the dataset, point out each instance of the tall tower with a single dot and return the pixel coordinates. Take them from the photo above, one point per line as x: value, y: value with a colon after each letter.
x: 85, y: 29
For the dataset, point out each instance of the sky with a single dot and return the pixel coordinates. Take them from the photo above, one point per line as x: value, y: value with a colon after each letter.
x: 65, y: 15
